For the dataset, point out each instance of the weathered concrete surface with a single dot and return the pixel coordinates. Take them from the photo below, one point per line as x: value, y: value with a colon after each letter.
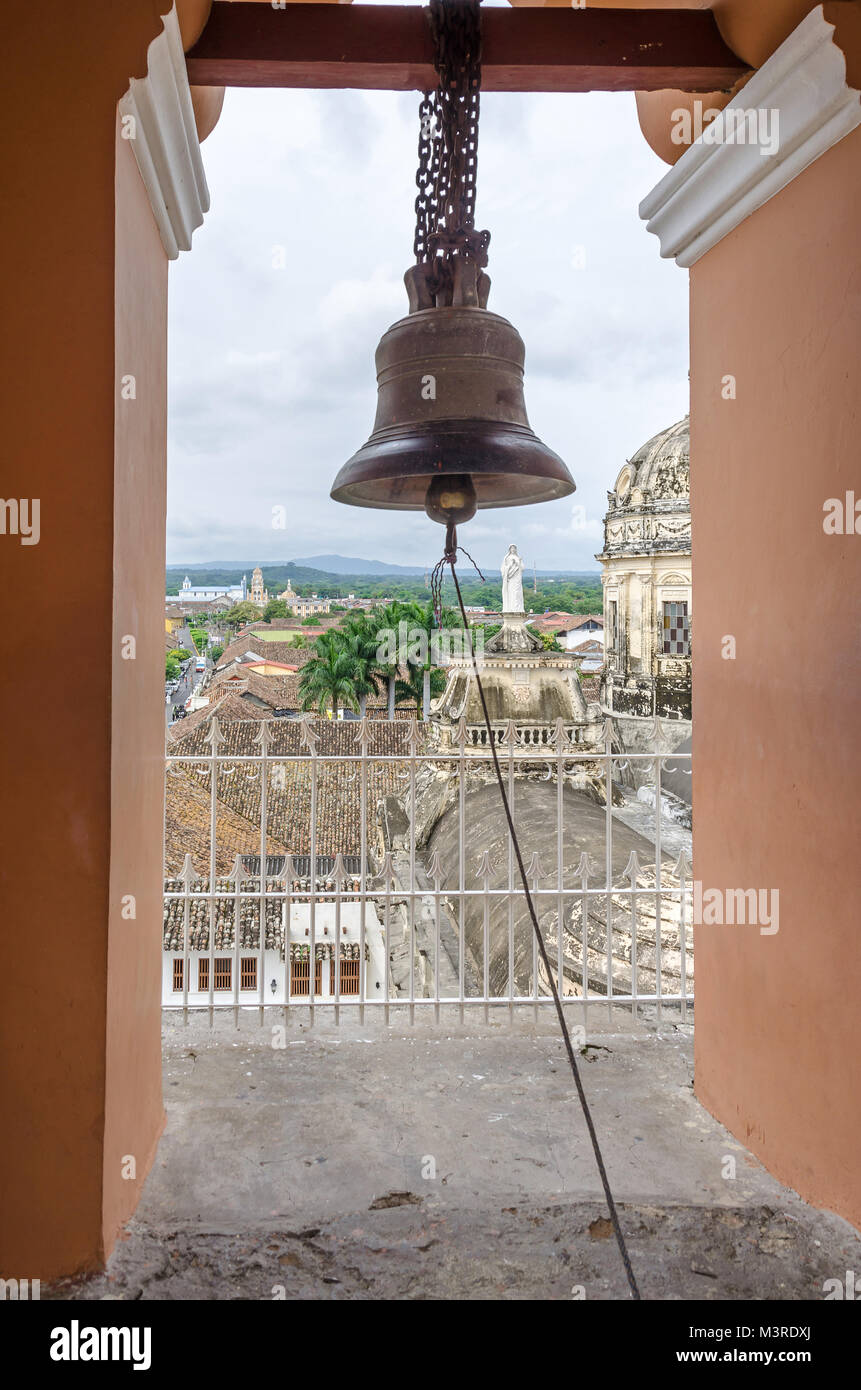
x: 535, y: 806
x: 278, y: 1170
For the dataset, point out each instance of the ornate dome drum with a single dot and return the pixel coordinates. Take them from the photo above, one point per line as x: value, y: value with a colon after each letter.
x: 646, y: 564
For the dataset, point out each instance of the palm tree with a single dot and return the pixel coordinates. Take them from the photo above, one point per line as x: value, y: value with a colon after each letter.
x: 416, y: 615
x: 423, y: 684
x: 432, y: 681
x: 327, y: 679
x: 360, y: 645
x: 387, y: 620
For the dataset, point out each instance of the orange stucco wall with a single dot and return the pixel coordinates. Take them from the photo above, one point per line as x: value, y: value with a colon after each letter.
x: 80, y: 795
x: 777, y: 755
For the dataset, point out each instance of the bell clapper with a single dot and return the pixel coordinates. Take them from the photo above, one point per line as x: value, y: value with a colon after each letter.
x: 451, y: 498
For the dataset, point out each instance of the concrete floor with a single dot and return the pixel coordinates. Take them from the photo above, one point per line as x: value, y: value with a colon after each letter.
x: 450, y: 1160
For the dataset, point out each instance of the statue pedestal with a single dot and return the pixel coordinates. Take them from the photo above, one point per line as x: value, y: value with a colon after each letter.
x: 523, y: 683
x: 514, y: 636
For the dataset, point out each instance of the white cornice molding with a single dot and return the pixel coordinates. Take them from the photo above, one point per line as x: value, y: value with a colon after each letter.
x: 714, y: 187
x: 165, y: 140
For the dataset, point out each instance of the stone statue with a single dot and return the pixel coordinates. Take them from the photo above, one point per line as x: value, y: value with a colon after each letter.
x: 512, y: 582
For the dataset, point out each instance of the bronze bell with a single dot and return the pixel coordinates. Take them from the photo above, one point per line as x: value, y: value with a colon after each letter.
x: 451, y: 432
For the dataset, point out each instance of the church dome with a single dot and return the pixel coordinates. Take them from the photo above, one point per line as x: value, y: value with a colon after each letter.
x: 658, y: 471
x: 648, y: 511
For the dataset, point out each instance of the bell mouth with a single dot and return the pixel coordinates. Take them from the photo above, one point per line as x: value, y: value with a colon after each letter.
x: 508, y: 464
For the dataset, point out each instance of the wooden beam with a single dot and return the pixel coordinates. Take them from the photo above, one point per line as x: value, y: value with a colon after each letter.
x: 524, y: 50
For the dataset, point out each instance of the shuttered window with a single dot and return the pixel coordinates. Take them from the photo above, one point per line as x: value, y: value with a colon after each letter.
x: 676, y: 630
x: 349, y: 976
x: 248, y: 976
x: 223, y: 972
x: 177, y: 975
x: 300, y: 975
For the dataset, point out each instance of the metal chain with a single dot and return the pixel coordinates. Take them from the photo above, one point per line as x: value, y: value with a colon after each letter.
x: 448, y: 143
x: 426, y: 175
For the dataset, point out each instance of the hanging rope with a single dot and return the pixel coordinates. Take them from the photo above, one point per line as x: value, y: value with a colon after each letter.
x: 450, y: 558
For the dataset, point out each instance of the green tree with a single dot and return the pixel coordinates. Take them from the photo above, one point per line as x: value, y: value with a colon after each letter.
x: 275, y: 608
x: 217, y: 653
x: 241, y: 613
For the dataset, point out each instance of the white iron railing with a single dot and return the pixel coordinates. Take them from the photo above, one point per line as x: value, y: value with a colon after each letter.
x: 433, y: 909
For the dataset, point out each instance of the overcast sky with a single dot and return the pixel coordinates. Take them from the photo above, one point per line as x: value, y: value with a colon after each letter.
x: 272, y: 380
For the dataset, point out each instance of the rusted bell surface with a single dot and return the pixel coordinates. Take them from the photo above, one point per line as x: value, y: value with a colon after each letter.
x: 450, y: 402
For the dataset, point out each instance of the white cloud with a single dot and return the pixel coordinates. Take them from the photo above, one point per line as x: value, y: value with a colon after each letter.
x: 271, y: 370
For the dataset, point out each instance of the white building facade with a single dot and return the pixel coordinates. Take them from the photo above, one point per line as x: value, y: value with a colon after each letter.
x: 233, y: 973
x: 201, y: 592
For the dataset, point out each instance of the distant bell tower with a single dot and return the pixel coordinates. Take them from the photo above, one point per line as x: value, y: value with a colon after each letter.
x: 258, y: 593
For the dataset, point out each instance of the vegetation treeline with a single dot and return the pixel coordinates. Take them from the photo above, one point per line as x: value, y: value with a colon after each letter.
x: 384, y: 650
x: 578, y: 593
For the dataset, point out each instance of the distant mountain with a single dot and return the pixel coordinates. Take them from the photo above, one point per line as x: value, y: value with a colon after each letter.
x: 347, y: 564
x: 337, y: 570
x: 341, y: 564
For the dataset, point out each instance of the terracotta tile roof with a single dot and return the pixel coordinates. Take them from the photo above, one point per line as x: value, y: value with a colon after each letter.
x: 229, y: 707
x: 591, y: 686
x: 233, y: 651
x: 299, y: 655
x: 564, y: 622
x: 274, y: 651
x: 278, y: 692
x: 289, y: 787
x: 186, y: 825
x: 225, y: 912
x: 227, y: 675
